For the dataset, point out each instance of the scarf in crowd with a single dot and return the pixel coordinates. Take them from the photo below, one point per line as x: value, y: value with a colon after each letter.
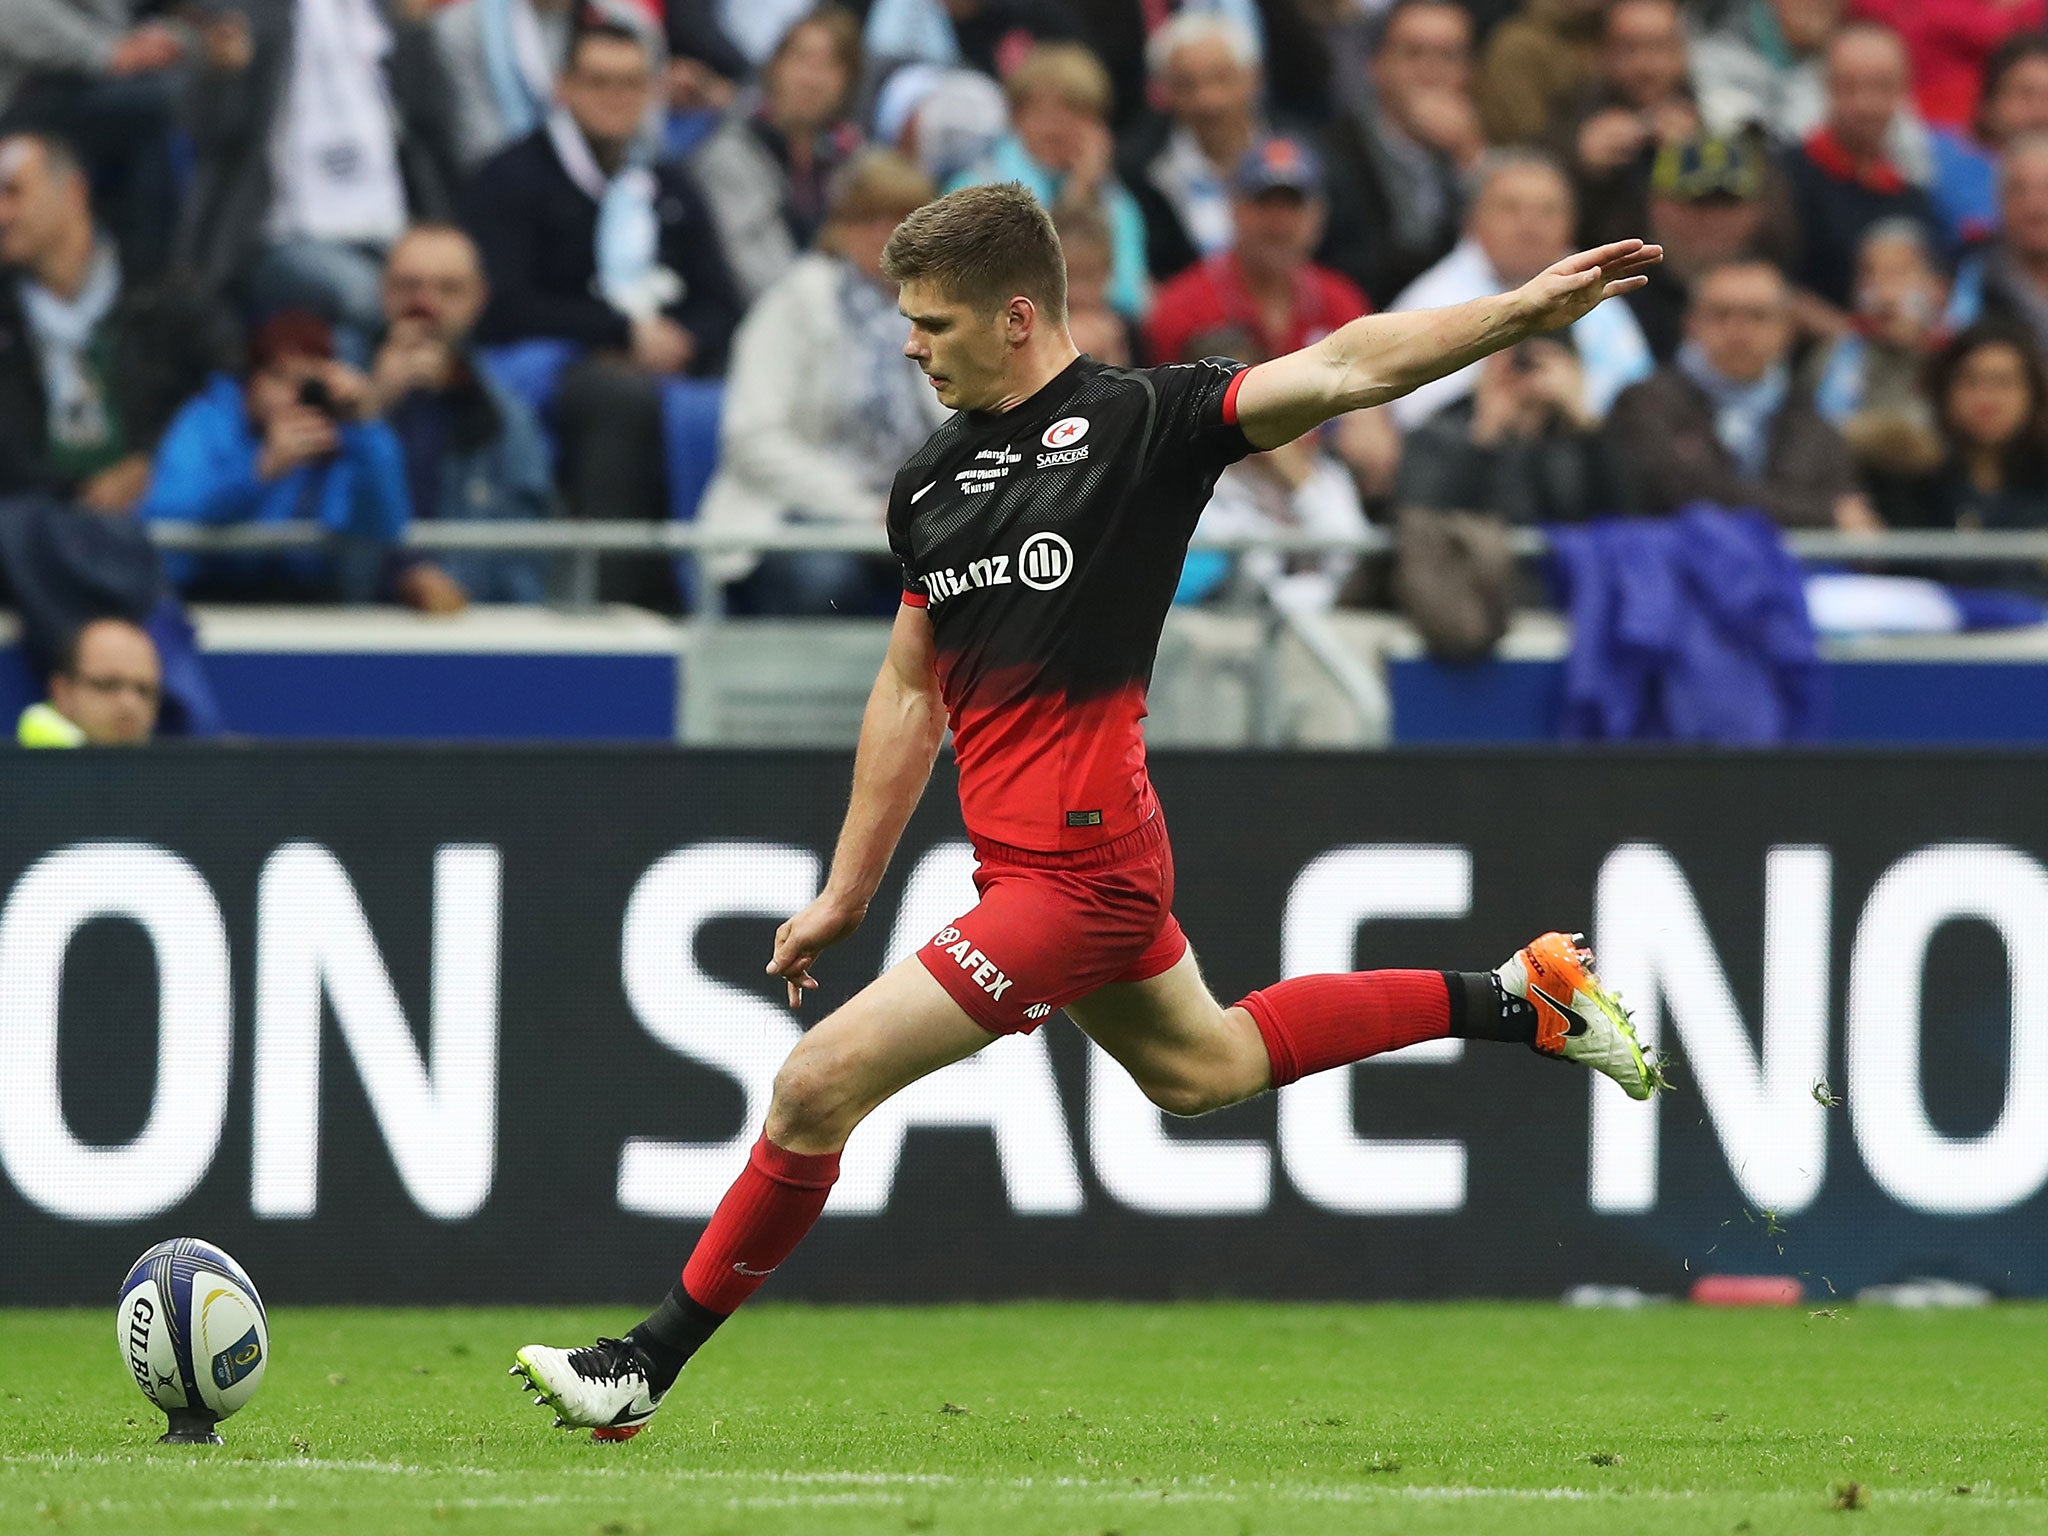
x: 630, y: 276
x: 516, y: 64
x: 1198, y: 194
x: 63, y: 331
x: 334, y: 153
x: 887, y: 414
x: 1743, y: 413
x: 1417, y: 177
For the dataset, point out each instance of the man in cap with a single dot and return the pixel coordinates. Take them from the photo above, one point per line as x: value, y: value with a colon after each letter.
x: 1266, y: 286
x: 1712, y: 198
x: 1264, y: 282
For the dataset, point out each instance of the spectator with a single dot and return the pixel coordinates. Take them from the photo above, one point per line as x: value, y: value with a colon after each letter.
x: 1950, y: 43
x: 87, y: 72
x: 993, y: 36
x: 1843, y: 178
x: 297, y: 440
x: 1637, y: 103
x: 766, y: 169
x: 1266, y: 287
x: 1404, y: 154
x: 1120, y: 32
x: 733, y: 37
x: 821, y: 406
x: 472, y: 448
x: 1264, y: 282
x: 1178, y: 163
x: 1536, y: 63
x: 92, y: 367
x: 1761, y: 68
x: 2014, y: 104
x: 945, y: 119
x: 502, y: 58
x: 319, y: 140
x: 1059, y: 147
x: 1520, y: 222
x: 614, y: 262
x: 2008, y: 279
x: 704, y: 63
x: 104, y: 692
x: 1711, y: 200
x: 1868, y: 382
x: 1299, y: 487
x: 1991, y: 401
x: 1521, y: 445
x: 1097, y: 329
x: 1725, y: 424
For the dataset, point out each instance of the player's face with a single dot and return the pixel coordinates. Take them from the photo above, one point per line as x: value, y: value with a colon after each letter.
x: 963, y: 350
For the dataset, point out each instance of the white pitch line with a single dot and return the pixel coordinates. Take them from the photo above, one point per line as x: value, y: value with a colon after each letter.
x: 1200, y: 1490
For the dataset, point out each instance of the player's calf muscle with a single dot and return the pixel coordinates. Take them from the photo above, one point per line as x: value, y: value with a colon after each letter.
x: 1227, y: 1069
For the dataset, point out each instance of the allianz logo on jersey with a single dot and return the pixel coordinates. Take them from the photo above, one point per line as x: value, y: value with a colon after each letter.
x: 1045, y: 561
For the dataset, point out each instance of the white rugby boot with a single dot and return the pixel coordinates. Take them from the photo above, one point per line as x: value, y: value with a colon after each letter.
x: 1577, y: 1019
x: 600, y: 1387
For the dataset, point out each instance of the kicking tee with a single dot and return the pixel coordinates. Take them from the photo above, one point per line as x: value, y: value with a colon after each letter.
x: 1046, y: 542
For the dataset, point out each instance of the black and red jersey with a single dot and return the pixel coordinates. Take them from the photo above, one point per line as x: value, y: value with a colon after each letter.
x: 1046, y: 542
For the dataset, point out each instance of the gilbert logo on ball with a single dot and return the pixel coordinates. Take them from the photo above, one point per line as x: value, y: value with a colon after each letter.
x: 193, y: 1334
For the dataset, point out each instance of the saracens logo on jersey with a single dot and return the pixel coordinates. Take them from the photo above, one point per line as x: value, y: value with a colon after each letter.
x: 1065, y: 432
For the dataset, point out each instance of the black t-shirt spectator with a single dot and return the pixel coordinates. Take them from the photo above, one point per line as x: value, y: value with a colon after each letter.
x: 537, y: 230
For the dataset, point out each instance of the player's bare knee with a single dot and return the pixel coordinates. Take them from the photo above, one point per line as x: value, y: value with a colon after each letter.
x: 811, y: 1101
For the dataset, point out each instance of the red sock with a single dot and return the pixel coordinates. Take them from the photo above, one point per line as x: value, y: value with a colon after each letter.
x: 765, y: 1214
x: 1315, y: 1022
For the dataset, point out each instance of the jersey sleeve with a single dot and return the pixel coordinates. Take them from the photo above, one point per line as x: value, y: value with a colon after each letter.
x: 898, y: 523
x: 1195, y: 423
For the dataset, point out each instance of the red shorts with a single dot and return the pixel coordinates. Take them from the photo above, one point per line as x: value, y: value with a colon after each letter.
x: 1051, y: 928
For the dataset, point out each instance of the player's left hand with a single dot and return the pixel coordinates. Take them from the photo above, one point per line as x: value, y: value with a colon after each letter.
x: 800, y: 941
x: 1554, y: 298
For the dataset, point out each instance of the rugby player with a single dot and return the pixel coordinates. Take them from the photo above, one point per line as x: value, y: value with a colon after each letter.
x: 1041, y: 532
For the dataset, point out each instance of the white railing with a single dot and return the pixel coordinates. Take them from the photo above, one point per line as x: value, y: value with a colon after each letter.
x: 579, y: 546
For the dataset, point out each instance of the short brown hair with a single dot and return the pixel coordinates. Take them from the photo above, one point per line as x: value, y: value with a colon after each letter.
x: 1069, y: 71
x: 983, y: 246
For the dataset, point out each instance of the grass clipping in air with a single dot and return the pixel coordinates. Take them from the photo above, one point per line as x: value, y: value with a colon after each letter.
x: 1073, y: 1420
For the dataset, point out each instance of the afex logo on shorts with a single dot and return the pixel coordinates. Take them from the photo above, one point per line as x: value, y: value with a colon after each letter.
x: 986, y: 975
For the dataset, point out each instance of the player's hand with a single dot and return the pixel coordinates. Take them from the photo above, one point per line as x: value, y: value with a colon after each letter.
x: 1553, y: 299
x: 800, y: 941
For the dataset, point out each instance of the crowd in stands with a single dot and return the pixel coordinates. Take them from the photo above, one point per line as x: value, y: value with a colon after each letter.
x: 353, y: 263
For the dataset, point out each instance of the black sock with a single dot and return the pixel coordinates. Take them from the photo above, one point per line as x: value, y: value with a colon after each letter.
x: 1483, y: 1009
x: 672, y: 1333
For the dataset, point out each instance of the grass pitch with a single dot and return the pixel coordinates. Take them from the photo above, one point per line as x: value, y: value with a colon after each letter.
x: 1222, y: 1420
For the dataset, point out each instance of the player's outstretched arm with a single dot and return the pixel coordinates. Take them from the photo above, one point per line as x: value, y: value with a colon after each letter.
x: 1380, y: 357
x: 899, y: 739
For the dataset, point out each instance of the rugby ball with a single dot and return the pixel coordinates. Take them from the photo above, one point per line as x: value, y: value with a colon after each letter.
x: 193, y: 1334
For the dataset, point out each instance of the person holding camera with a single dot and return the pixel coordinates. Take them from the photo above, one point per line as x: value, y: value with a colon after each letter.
x: 1523, y: 444
x: 296, y: 440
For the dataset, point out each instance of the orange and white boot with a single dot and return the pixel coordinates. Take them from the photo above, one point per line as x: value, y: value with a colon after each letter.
x: 1577, y: 1019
